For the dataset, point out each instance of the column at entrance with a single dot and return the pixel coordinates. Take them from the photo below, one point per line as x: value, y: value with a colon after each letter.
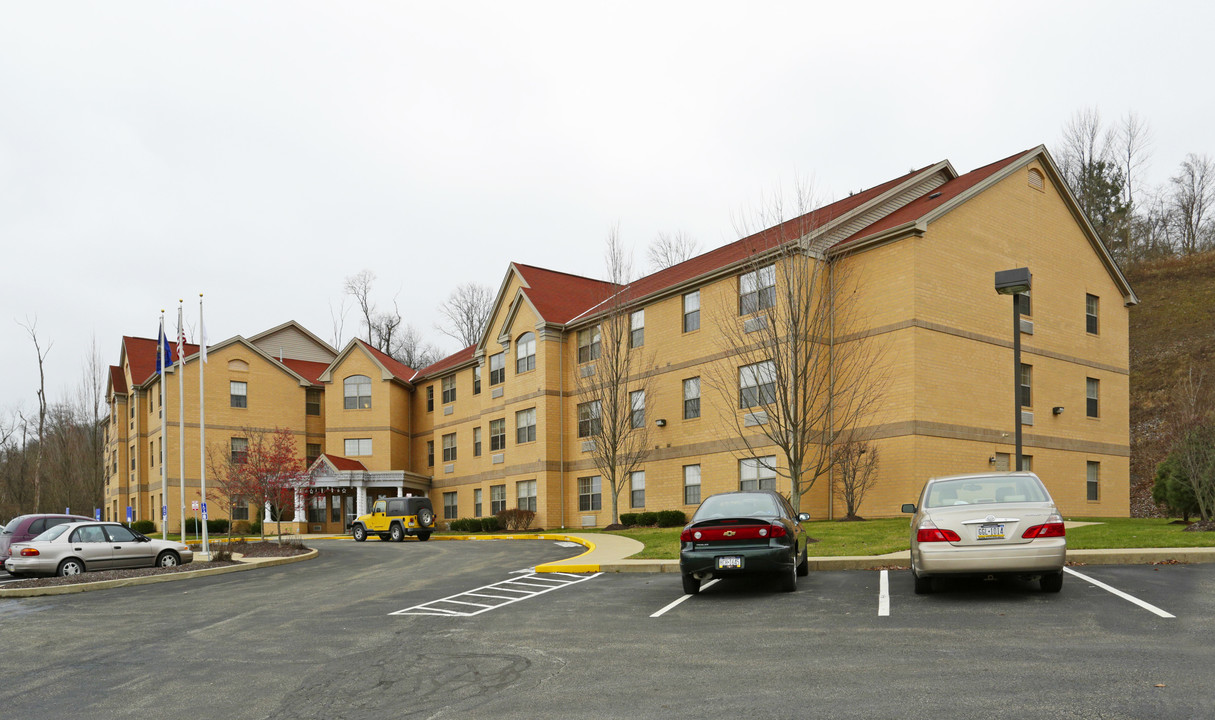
x: 361, y: 500
x: 300, y: 517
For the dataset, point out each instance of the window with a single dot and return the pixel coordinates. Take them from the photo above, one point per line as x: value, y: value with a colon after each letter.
x: 637, y: 329
x: 497, y: 434
x: 757, y: 384
x: 497, y: 369
x: 449, y: 447
x: 691, y: 484
x: 430, y: 398
x: 451, y: 508
x: 238, y: 394
x: 589, y: 423
x: 637, y: 489
x: 497, y: 499
x: 589, y: 496
x: 477, y: 502
x: 317, y: 505
x: 1094, y: 479
x: 527, y: 494
x: 335, y: 508
x: 430, y: 453
x: 1027, y: 307
x: 691, y: 398
x: 637, y: 406
x: 133, y: 457
x: 757, y: 290
x: 525, y: 352
x: 152, y: 452
x: 477, y: 441
x: 525, y: 426
x: 240, y: 511
x: 239, y: 448
x: 691, y: 311
x: 1027, y: 385
x: 358, y: 392
x: 588, y: 344
x: 1027, y: 462
x: 449, y: 389
x: 1091, y: 304
x: 354, y: 447
x: 477, y: 380
x: 757, y: 473
x: 1092, y: 394
x: 312, y: 401
x: 312, y: 451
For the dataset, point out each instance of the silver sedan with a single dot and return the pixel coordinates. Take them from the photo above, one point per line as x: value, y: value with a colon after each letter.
x: 987, y: 524
x: 79, y: 547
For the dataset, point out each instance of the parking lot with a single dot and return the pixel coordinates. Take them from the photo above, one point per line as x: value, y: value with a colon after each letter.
x: 457, y: 629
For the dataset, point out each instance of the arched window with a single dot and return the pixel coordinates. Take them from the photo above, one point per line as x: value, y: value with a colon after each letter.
x: 358, y: 392
x: 525, y: 352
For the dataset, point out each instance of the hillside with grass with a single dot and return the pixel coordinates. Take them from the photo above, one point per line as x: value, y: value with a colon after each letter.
x: 1172, y: 333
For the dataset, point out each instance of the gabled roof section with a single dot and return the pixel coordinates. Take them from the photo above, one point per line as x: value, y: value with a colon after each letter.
x: 310, y: 371
x: 448, y: 363
x: 118, y: 380
x: 339, y: 463
x: 560, y: 297
x: 140, y: 354
x: 390, y: 369
x: 295, y: 341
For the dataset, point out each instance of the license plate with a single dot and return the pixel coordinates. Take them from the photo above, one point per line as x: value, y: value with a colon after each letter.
x: 991, y: 532
x: 729, y: 562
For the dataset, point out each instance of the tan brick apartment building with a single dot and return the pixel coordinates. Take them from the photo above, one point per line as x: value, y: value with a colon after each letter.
x: 501, y: 424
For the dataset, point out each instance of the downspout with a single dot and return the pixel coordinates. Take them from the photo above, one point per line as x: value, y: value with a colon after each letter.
x: 831, y: 391
x: 561, y: 420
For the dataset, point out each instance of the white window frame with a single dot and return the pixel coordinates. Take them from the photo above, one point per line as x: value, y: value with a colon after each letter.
x: 356, y: 447
x: 757, y: 473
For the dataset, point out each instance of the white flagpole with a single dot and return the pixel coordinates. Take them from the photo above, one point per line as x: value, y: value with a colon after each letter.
x: 202, y: 426
x: 181, y: 417
x: 164, y: 430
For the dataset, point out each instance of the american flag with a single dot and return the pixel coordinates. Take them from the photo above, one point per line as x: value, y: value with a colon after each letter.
x: 181, y: 335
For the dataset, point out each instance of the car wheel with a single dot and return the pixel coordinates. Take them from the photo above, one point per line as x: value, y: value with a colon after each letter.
x: 397, y: 533
x: 788, y: 580
x: 424, y: 536
x: 803, y: 567
x: 70, y: 567
x: 1052, y: 583
x: 167, y: 559
x: 691, y: 586
x: 426, y: 517
x: 359, y: 533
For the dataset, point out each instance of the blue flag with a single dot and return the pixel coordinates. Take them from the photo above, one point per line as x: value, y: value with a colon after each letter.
x: 164, y: 356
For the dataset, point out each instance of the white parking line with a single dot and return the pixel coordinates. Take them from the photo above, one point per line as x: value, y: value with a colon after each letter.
x: 1130, y: 598
x: 884, y: 595
x: 525, y: 590
x: 681, y: 599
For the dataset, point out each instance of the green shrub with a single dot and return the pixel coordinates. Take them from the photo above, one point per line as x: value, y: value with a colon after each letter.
x: 671, y: 518
x: 242, y: 527
x: 647, y: 519
x: 217, y: 526
x: 255, y: 528
x: 490, y: 524
x: 515, y: 519
x: 628, y: 518
x: 144, y: 527
x: 463, y: 525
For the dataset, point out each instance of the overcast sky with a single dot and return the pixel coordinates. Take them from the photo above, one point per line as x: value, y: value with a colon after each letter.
x: 260, y: 152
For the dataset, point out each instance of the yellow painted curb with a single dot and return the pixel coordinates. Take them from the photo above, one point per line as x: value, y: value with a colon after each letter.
x: 149, y: 579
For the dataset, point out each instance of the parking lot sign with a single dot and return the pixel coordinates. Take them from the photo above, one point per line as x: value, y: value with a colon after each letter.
x: 130, y: 513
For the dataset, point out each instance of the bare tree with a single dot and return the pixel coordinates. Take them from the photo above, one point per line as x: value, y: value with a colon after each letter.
x: 804, y: 372
x: 1132, y: 147
x: 671, y: 249
x: 466, y: 312
x: 338, y: 319
x: 358, y: 286
x: 31, y: 327
x: 614, y: 386
x: 1192, y: 199
x: 856, y: 463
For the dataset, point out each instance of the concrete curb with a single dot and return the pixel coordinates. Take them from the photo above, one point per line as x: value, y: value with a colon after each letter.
x: 249, y: 564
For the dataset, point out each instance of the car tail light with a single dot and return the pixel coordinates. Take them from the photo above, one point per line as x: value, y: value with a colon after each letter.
x: 929, y: 532
x: 1053, y: 527
x: 30, y: 552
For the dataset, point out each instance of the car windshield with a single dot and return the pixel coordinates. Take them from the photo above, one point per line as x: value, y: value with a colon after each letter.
x: 731, y: 505
x: 51, y: 534
x: 982, y: 491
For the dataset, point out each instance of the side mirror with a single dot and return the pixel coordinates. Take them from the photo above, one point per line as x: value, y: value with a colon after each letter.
x: 803, y: 517
x: 909, y: 508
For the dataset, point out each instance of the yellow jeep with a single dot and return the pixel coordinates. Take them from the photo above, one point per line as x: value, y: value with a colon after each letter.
x: 394, y: 518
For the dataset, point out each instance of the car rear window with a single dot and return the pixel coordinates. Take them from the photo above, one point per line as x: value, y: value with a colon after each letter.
x: 13, y: 524
x: 50, y: 534
x: 983, y: 491
x: 736, y: 505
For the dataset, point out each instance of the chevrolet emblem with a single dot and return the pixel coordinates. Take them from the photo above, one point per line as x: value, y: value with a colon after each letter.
x: 728, y: 533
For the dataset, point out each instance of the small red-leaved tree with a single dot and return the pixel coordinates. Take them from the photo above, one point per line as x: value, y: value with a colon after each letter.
x: 268, y: 470
x: 228, y: 484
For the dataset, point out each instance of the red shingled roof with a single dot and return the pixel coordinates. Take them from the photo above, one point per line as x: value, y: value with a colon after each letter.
x: 560, y: 297
x: 925, y: 204
x: 311, y: 371
x: 448, y: 362
x: 118, y: 380
x: 141, y: 356
x: 399, y: 370
x: 341, y: 463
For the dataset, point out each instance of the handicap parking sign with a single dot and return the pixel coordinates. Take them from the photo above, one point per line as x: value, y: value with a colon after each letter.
x: 130, y: 513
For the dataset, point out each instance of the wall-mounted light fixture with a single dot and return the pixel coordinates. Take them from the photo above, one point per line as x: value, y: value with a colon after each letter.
x: 660, y: 422
x: 991, y: 460
x: 1058, y: 410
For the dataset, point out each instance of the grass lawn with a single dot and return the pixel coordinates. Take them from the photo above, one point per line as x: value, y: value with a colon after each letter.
x: 877, y: 537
